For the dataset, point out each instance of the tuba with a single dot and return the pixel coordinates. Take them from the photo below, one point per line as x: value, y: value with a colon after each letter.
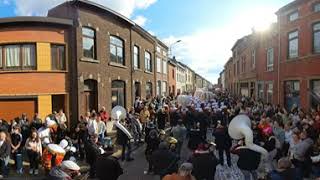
x: 118, y: 113
x: 239, y: 128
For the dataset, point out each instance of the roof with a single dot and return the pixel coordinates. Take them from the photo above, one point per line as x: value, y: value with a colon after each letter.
x: 240, y: 41
x: 90, y: 3
x: 290, y: 5
x: 35, y: 19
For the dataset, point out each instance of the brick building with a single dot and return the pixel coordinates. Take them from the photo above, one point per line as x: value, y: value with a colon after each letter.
x: 34, y: 66
x: 286, y: 59
x: 172, y: 77
x: 161, y: 52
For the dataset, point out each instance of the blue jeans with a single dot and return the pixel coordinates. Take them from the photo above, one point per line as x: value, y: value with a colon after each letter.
x: 4, y: 166
x: 18, y: 161
x: 101, y: 138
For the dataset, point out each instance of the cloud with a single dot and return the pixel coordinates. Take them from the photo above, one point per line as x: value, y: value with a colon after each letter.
x: 40, y: 7
x: 5, y: 2
x: 140, y: 20
x: 206, y: 50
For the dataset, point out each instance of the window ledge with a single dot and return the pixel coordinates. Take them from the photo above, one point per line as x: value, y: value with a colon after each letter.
x: 117, y: 65
x: 32, y: 71
x: 89, y: 60
x: 137, y: 69
x: 292, y: 59
x: 148, y: 72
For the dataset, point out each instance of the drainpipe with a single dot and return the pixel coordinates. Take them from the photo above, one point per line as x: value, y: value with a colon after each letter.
x: 131, y: 69
x: 279, y: 58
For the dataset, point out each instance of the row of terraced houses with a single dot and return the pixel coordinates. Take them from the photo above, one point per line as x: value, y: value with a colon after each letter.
x: 83, y: 56
x: 281, y: 65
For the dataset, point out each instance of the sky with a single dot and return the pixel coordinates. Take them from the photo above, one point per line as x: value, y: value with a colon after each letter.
x: 207, y: 28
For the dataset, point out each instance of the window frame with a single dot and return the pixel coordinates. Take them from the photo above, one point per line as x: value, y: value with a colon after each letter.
x: 270, y: 51
x: 21, y: 66
x: 65, y: 57
x: 116, y: 46
x: 253, y: 60
x: 136, y: 65
x: 314, y: 6
x: 313, y: 37
x: 148, y: 62
x: 294, y: 18
x: 292, y: 39
x: 159, y: 65
x: 94, y: 53
x: 164, y: 67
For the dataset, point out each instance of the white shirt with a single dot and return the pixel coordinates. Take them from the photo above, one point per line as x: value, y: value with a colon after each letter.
x: 92, y: 127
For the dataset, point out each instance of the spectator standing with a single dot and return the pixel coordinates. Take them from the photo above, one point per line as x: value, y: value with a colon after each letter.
x: 16, y: 148
x: 34, y: 151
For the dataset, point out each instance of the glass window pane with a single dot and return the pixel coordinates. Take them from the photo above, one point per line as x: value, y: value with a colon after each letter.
x: 164, y: 67
x: 293, y: 48
x: 293, y: 34
x: 88, y: 32
x: 316, y: 7
x: 28, y: 55
x: 316, y: 42
x: 316, y: 27
x: 158, y: 65
x: 88, y: 47
x: 294, y: 16
x: 12, y: 55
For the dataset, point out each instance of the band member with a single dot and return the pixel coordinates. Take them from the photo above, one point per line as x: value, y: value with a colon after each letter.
x: 53, y: 156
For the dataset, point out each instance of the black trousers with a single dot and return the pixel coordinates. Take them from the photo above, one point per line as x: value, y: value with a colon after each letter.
x: 34, y: 159
x: 221, y: 159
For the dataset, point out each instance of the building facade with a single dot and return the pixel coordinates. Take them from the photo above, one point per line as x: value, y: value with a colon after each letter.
x: 161, y: 52
x: 34, y: 66
x: 172, y: 78
x: 190, y: 87
x: 181, y: 78
x: 114, y: 59
x: 284, y: 59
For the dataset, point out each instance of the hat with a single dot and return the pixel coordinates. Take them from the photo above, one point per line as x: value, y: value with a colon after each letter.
x: 70, y: 165
x: 162, y: 132
x: 49, y: 122
x: 186, y: 167
x: 56, y: 149
x: 172, y: 140
x: 63, y: 143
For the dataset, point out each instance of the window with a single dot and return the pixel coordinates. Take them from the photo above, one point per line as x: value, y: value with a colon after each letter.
x: 316, y: 38
x: 58, y: 57
x: 253, y: 60
x: 316, y: 7
x: 136, y: 57
x: 269, y: 92
x: 243, y: 64
x: 164, y: 69
x: 147, y: 60
x: 164, y: 88
x: 116, y: 50
x: 260, y: 90
x: 158, y: 88
x: 164, y: 53
x: 292, y: 94
x: 293, y: 44
x: 314, y: 92
x: 88, y: 42
x: 270, y: 59
x: 294, y: 16
x: 118, y: 93
x: 158, y: 49
x: 158, y: 65
x: 18, y: 56
x: 148, y: 90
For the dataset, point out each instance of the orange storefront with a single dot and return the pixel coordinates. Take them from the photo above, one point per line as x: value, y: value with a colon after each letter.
x: 33, y: 66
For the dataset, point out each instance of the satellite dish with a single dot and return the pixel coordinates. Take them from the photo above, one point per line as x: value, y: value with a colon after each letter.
x: 118, y: 113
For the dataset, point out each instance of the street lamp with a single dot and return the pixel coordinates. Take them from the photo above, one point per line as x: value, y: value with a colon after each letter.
x: 170, y: 47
